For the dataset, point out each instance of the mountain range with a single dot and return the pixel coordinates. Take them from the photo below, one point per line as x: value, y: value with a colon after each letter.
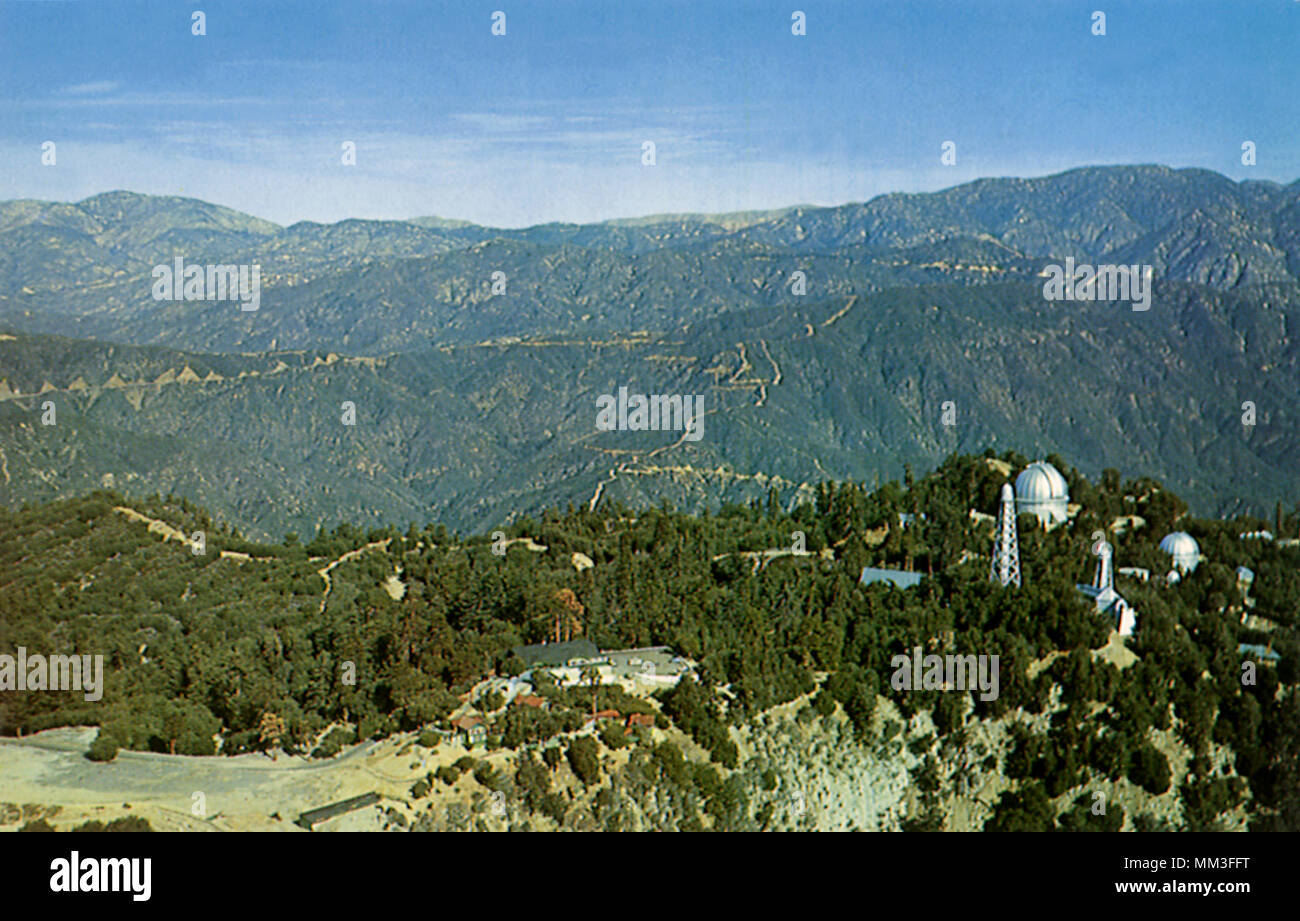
x: 923, y: 331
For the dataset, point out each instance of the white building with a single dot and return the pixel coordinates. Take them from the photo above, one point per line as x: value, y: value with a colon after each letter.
x: 638, y: 671
x: 1041, y: 491
x: 1104, y: 597
x: 1182, y: 548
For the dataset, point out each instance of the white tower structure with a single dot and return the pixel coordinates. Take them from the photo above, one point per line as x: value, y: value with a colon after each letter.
x: 1006, y: 547
x: 1102, y: 591
x: 1104, y: 581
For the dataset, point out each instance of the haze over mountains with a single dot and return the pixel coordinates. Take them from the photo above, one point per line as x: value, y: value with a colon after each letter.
x: 475, y: 407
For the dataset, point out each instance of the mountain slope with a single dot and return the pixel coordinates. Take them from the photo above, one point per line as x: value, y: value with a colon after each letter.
x: 851, y: 388
x: 85, y: 268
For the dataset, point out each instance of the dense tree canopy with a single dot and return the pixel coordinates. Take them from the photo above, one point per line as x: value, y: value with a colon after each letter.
x: 244, y: 645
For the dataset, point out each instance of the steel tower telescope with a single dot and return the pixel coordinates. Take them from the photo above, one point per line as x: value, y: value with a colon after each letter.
x: 1006, y: 547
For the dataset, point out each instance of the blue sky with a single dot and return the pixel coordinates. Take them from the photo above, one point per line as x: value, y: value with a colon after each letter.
x: 547, y: 122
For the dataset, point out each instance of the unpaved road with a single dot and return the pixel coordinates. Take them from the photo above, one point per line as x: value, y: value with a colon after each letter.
x: 241, y: 792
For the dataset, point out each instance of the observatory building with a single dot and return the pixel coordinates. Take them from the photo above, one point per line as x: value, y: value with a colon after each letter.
x: 1041, y: 491
x: 1183, y: 549
x: 1103, y: 595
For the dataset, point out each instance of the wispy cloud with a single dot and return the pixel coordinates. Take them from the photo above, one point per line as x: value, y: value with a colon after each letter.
x: 549, y: 122
x: 63, y: 99
x: 94, y: 88
x: 494, y: 121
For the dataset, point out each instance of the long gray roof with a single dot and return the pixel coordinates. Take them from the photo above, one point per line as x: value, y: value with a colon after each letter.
x: 556, y: 653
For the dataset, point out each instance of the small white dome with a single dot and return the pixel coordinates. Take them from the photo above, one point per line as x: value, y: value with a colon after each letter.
x: 1183, y: 548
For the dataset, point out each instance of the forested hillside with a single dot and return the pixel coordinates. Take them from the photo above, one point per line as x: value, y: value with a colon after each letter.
x: 198, y: 646
x: 846, y: 389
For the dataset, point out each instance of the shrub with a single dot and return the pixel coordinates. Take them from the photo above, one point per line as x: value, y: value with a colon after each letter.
x: 104, y: 748
x: 374, y: 726
x: 707, y: 780
x: 1027, y: 809
x: 584, y: 759
x: 612, y: 735
x: 334, y: 741
x: 1149, y: 769
x: 487, y: 776
x: 673, y: 765
x: 553, y: 805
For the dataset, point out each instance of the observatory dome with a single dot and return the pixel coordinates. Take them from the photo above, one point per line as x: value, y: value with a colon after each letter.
x: 1041, y: 491
x: 1183, y: 548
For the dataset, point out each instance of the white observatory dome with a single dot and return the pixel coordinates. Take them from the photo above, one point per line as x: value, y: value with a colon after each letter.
x: 1041, y: 491
x: 1183, y: 548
